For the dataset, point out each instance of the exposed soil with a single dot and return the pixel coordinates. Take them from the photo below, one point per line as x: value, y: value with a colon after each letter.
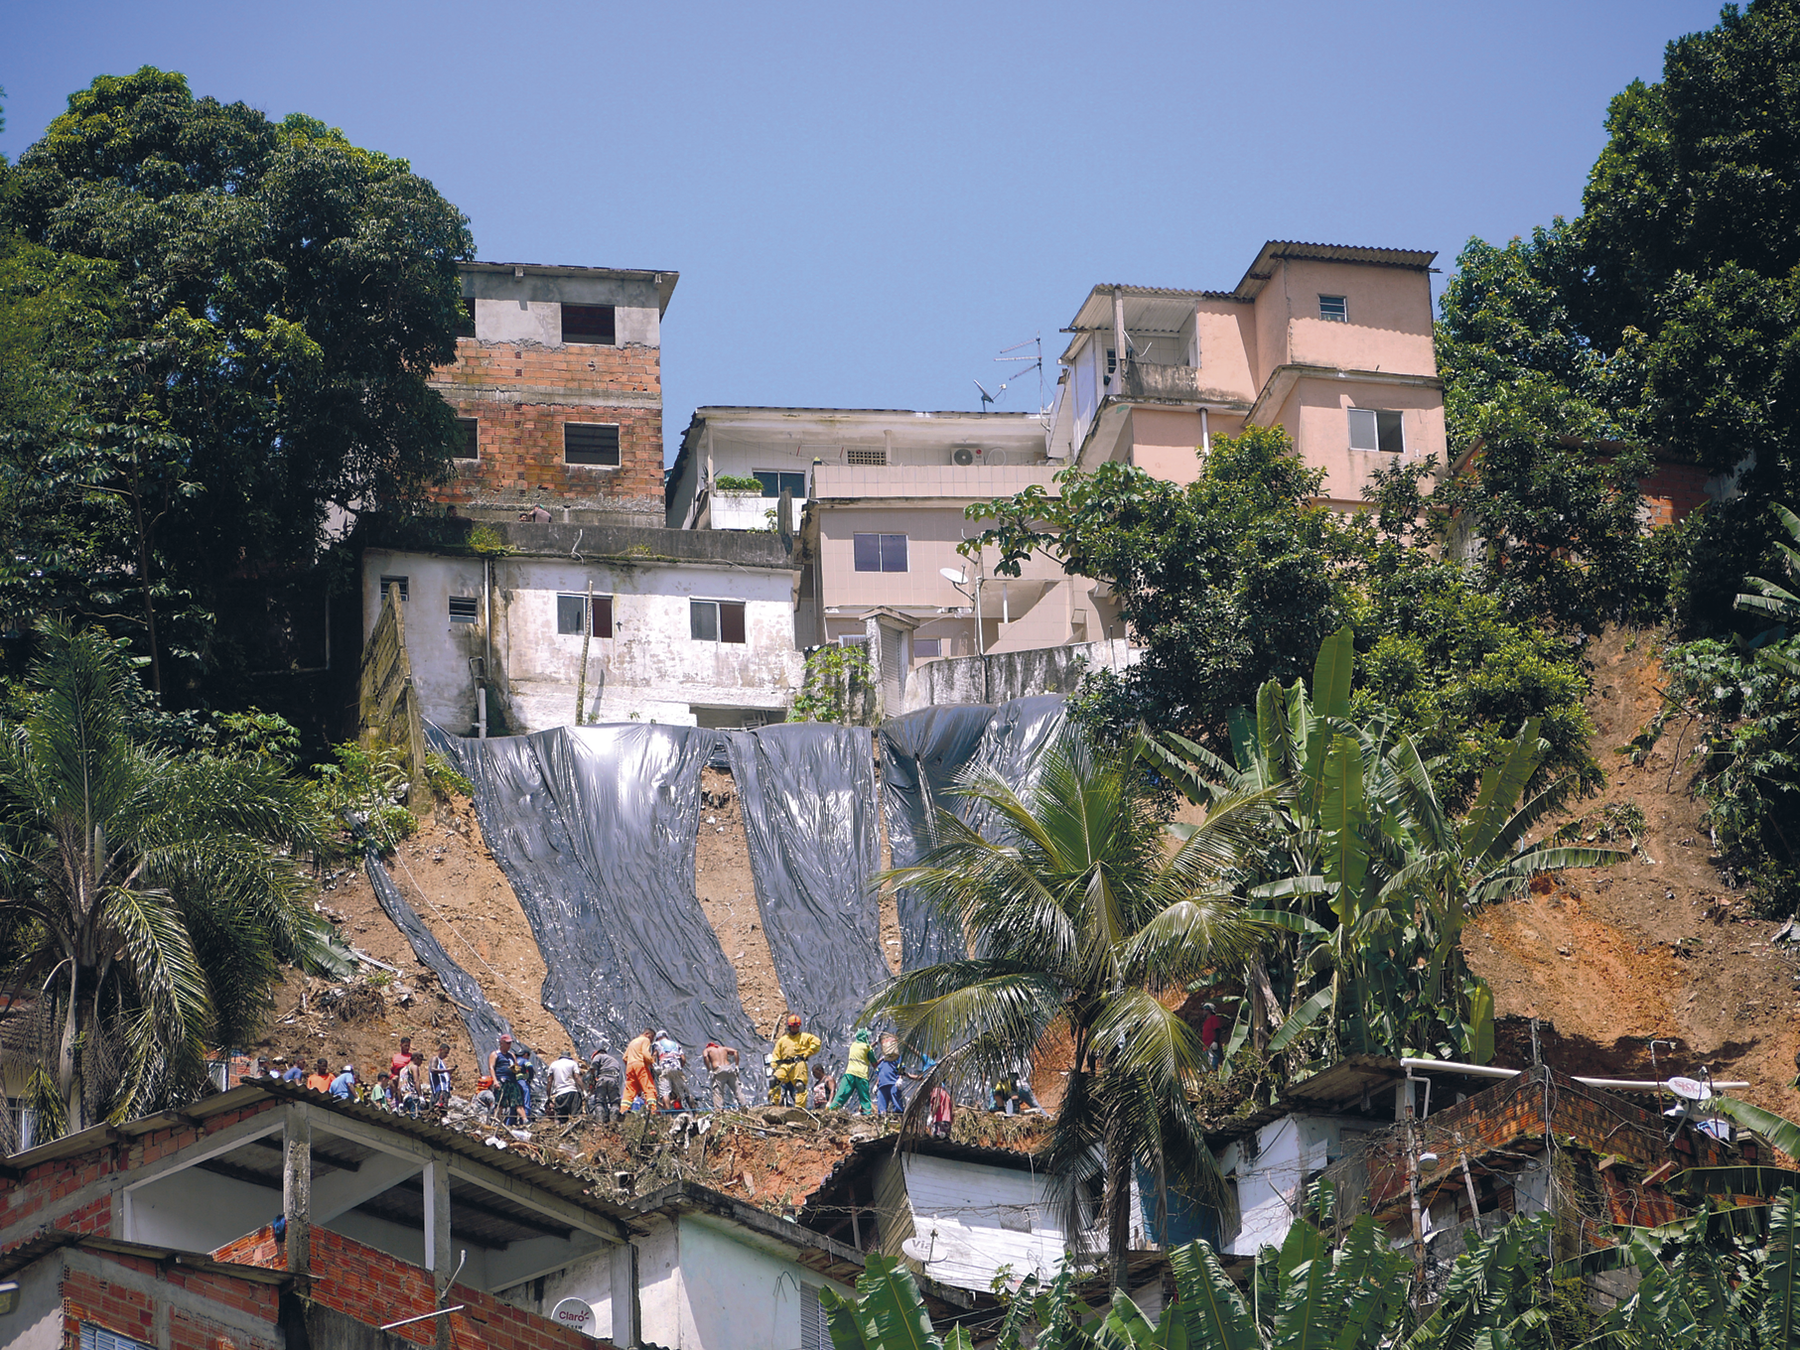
x: 1655, y: 947
x: 727, y: 893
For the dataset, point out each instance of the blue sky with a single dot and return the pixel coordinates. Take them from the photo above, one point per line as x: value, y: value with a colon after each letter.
x: 864, y: 206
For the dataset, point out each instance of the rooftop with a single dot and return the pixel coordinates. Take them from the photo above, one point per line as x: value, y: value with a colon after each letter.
x: 664, y: 281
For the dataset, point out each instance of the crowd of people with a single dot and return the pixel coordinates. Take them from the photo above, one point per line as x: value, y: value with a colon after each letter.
x: 516, y: 1086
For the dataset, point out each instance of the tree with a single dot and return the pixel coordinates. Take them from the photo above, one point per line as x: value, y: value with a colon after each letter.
x: 148, y: 895
x: 1080, y: 917
x: 282, y: 298
x: 1363, y: 868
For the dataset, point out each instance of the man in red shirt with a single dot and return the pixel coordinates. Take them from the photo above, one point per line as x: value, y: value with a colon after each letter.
x: 402, y: 1057
x: 1212, y: 1036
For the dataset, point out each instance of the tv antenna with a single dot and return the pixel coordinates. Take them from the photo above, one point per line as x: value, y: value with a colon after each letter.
x: 1032, y: 360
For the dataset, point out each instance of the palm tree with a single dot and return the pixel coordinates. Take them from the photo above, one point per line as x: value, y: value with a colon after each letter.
x: 146, y: 896
x: 1082, y: 911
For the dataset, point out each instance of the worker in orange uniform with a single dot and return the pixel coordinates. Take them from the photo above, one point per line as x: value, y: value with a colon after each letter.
x: 792, y: 1050
x: 640, y: 1072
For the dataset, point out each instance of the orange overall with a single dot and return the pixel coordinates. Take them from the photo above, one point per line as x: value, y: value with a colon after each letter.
x: 640, y: 1074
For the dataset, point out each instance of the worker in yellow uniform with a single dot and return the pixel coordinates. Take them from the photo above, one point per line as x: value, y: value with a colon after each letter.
x: 792, y: 1049
x: 855, y: 1081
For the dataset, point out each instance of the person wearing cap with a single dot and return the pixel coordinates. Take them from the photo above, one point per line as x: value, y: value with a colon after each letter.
x: 343, y: 1087
x: 1212, y: 1035
x: 640, y: 1072
x: 722, y: 1063
x: 503, y: 1068
x: 564, y: 1086
x: 294, y: 1072
x: 792, y: 1049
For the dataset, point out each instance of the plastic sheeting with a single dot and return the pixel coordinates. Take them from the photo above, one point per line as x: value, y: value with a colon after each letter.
x: 484, y: 1023
x: 921, y: 755
x: 807, y: 794
x: 594, y: 827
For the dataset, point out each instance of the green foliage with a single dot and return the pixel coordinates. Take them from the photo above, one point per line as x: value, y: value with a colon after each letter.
x: 835, y: 686
x: 735, y: 482
x: 149, y: 894
x: 364, y: 790
x: 445, y: 779
x: 1079, y: 923
x: 271, y: 301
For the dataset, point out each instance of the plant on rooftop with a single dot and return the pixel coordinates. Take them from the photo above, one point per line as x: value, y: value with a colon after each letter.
x: 1082, y: 914
x: 148, y: 895
x: 743, y: 483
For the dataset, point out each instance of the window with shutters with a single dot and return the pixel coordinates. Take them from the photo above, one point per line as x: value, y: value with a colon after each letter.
x: 591, y: 324
x: 716, y: 620
x: 1373, y: 429
x: 879, y: 552
x: 571, y: 614
x: 394, y: 581
x: 591, y: 443
x: 465, y: 609
x: 99, y: 1338
x: 815, y: 1332
x: 468, y: 439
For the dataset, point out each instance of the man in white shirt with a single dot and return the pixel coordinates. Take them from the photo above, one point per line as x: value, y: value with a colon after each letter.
x: 565, y: 1085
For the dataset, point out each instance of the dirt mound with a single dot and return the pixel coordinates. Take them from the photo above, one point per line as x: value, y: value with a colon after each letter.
x: 1653, y: 948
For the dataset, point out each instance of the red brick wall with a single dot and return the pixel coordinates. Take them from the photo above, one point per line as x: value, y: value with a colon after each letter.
x: 373, y: 1288
x: 87, y: 1298
x: 522, y: 395
x: 1672, y: 491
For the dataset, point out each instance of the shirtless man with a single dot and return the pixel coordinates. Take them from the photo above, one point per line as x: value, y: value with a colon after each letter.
x: 722, y: 1062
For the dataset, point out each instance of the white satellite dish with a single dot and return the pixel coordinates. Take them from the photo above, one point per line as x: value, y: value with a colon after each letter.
x: 576, y: 1315
x: 954, y: 577
x: 1689, y: 1089
x: 934, y: 1247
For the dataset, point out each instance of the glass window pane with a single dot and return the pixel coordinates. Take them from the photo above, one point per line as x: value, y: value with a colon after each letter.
x: 731, y: 621
x: 867, y: 549
x: 1362, y: 430
x: 893, y: 553
x: 703, y: 620
x: 1334, y: 308
x: 771, y: 482
x: 570, y: 613
x: 927, y: 647
x: 1388, y: 432
x: 794, y: 483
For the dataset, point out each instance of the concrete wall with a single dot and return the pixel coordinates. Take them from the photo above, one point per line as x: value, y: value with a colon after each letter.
x: 994, y: 679
x: 1389, y: 327
x: 652, y: 669
x: 37, y: 1323
x: 1271, y: 1177
x: 1316, y: 415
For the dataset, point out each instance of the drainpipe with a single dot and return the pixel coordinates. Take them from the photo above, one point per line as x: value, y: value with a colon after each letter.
x: 1118, y: 339
x: 487, y: 635
x: 1205, y: 439
x: 1412, y: 1183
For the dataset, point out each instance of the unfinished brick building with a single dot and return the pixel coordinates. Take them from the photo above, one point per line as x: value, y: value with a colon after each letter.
x: 558, y: 385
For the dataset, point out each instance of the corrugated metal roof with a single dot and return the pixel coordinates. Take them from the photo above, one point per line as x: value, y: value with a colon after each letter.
x: 39, y: 1245
x: 1293, y: 249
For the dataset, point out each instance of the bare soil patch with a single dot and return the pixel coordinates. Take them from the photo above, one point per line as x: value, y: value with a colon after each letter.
x: 727, y: 891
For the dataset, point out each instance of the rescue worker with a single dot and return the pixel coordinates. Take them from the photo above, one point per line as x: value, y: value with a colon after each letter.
x: 792, y: 1050
x: 671, y: 1071
x: 722, y: 1063
x: 606, y: 1077
x: 856, y: 1075
x: 640, y: 1072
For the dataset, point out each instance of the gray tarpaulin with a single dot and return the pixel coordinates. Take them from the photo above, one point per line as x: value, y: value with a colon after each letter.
x: 807, y: 793
x: 594, y: 827
x: 921, y: 755
x: 484, y: 1023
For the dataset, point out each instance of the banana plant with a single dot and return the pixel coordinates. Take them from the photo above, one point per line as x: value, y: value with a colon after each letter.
x: 1367, y: 875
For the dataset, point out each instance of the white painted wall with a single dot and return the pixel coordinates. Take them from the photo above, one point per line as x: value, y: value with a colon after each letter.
x: 1272, y: 1176
x: 651, y: 670
x: 37, y: 1323
x: 1002, y: 1216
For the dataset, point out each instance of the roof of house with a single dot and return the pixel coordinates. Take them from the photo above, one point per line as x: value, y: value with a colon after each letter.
x: 864, y: 1155
x: 664, y: 281
x: 813, y: 1250
x: 39, y: 1245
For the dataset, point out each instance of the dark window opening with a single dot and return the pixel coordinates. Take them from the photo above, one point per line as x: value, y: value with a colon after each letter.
x: 465, y: 609
x: 465, y: 319
x: 394, y: 581
x: 588, y: 323
x: 571, y: 614
x: 775, y: 483
x: 879, y: 552
x: 1372, y: 429
x: 928, y: 647
x: 468, y: 439
x: 1334, y: 308
x: 716, y: 620
x: 590, y: 443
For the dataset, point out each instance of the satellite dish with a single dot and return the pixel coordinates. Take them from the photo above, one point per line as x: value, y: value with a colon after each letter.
x: 1689, y: 1089
x: 575, y: 1315
x: 919, y: 1248
x: 954, y: 577
x: 934, y: 1247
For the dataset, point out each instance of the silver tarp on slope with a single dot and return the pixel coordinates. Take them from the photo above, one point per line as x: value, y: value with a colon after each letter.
x: 921, y: 755
x: 485, y: 1024
x: 594, y: 827
x: 807, y: 794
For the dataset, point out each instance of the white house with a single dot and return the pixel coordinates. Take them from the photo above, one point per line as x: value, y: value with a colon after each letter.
x: 687, y: 628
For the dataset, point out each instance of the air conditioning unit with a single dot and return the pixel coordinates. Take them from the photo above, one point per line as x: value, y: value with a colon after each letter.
x: 962, y: 456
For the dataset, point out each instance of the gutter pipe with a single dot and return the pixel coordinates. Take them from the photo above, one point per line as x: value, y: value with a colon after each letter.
x: 1490, y: 1071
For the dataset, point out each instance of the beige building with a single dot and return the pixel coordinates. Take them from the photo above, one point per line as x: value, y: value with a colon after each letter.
x: 1330, y: 342
x: 880, y: 498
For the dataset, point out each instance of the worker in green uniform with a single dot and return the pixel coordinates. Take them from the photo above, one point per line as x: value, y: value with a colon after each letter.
x: 856, y: 1075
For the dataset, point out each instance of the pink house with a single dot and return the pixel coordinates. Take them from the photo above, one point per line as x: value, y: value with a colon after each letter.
x: 1330, y: 342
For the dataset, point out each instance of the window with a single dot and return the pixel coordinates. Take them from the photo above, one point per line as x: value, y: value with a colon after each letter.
x: 815, y: 1333
x: 394, y: 581
x: 588, y: 323
x: 925, y: 647
x: 774, y: 483
x: 465, y: 609
x: 590, y: 443
x: 1334, y: 309
x: 99, y: 1338
x: 1375, y: 430
x: 716, y: 620
x: 877, y: 458
x: 879, y: 552
x: 468, y: 439
x: 571, y: 614
x: 465, y: 321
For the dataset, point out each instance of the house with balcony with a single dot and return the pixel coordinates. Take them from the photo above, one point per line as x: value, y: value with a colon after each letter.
x: 880, y: 499
x: 1332, y: 343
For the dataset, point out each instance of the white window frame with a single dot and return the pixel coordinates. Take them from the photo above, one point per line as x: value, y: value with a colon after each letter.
x: 1341, y: 305
x: 1365, y: 426
x: 717, y: 601
x: 473, y: 614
